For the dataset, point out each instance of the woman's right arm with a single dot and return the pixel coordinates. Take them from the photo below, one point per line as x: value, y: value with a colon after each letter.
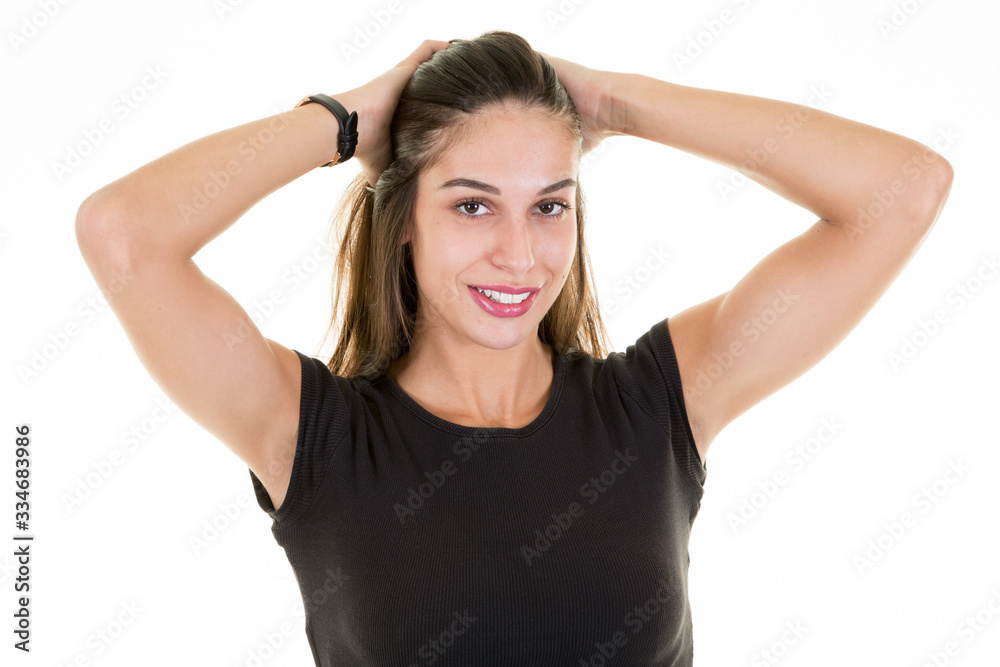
x: 138, y: 236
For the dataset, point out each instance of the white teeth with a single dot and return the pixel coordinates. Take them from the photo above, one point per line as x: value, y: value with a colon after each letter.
x: 502, y: 297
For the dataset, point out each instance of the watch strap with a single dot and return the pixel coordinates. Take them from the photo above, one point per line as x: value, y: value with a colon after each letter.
x: 348, y: 139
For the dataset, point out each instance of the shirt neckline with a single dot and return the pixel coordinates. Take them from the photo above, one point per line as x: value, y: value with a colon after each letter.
x: 555, y: 392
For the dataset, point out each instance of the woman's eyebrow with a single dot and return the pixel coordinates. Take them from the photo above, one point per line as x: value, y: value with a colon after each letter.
x: 479, y: 185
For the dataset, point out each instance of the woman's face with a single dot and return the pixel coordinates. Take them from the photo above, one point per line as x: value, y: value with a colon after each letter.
x: 494, y: 211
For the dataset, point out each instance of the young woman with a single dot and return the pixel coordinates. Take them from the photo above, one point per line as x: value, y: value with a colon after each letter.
x: 473, y: 478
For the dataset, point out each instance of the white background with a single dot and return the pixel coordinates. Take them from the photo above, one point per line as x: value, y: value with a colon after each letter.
x: 795, y: 561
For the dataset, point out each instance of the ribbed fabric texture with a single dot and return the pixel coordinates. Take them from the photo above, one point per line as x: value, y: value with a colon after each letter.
x: 416, y: 541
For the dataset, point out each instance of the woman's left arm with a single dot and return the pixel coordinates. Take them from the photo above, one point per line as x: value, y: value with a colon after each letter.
x: 876, y: 194
x: 830, y: 165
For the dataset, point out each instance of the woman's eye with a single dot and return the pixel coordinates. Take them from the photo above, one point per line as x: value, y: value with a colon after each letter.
x: 549, y: 211
x: 471, y: 208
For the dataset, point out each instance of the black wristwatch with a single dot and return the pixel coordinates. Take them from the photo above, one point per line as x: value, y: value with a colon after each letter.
x: 348, y: 125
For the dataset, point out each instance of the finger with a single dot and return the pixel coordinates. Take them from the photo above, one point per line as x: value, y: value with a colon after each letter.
x: 423, y: 52
x: 552, y: 59
x: 557, y: 63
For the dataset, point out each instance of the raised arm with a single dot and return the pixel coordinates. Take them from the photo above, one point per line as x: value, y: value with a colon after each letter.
x: 138, y: 236
x: 876, y: 194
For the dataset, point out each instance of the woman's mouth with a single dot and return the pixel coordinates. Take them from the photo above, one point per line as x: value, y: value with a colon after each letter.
x: 503, y: 304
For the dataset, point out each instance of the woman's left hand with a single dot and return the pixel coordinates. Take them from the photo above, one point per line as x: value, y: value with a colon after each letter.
x: 592, y: 91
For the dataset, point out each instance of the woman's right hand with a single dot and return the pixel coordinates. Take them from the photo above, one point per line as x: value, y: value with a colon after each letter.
x: 376, y: 103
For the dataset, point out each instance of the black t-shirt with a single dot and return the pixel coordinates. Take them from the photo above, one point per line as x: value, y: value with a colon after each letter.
x: 416, y: 541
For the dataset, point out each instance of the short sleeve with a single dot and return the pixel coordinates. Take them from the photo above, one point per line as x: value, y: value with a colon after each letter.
x: 649, y: 373
x: 323, y: 424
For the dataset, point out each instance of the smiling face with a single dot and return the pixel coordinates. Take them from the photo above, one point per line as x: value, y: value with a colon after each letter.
x: 495, y: 210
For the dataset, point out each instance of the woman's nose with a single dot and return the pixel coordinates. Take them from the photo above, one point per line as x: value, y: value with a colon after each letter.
x: 512, y: 245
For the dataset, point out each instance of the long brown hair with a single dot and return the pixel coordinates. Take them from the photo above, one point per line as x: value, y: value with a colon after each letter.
x: 377, y: 270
